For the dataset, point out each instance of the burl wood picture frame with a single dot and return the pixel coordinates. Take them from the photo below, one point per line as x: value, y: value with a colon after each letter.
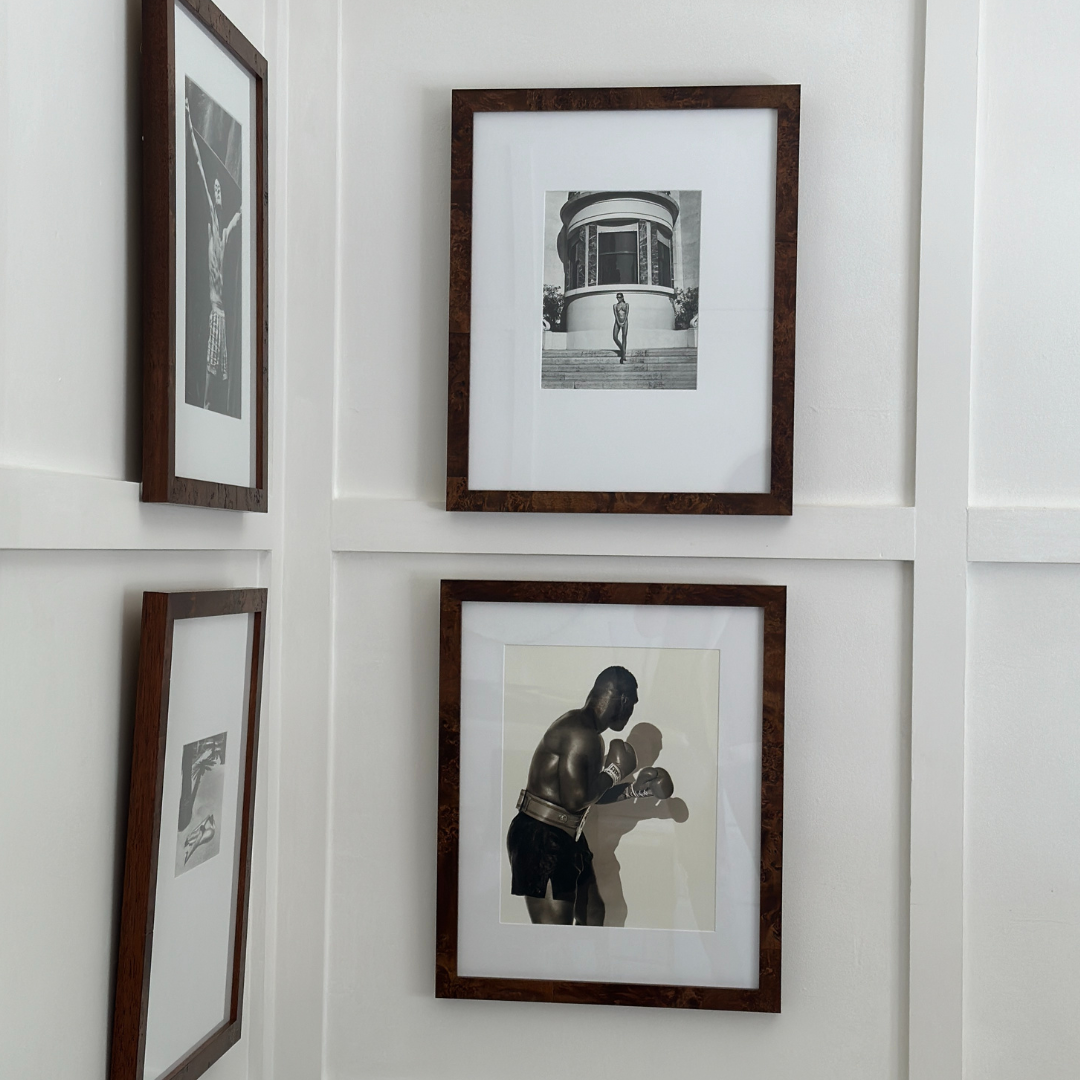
x: 187, y: 874
x: 683, y: 919
x: 204, y: 259
x: 568, y: 419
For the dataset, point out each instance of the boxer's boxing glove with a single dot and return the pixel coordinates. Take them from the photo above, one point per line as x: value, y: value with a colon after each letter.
x: 651, y: 784
x: 621, y: 760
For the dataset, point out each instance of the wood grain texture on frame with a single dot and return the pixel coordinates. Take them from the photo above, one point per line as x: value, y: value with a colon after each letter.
x: 159, y: 614
x: 158, y: 251
x: 773, y: 600
x: 785, y: 99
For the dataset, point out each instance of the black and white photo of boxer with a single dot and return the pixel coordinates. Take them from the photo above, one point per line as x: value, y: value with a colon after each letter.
x: 593, y: 750
x: 550, y: 859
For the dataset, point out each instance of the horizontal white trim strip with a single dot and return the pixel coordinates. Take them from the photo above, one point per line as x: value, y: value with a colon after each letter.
x: 812, y: 532
x: 59, y: 510
x: 55, y: 510
x: 1030, y: 534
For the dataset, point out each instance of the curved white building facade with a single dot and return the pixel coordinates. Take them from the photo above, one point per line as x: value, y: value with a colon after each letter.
x: 620, y: 241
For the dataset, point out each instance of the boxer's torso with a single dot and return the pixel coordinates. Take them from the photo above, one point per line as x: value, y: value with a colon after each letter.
x: 570, y: 735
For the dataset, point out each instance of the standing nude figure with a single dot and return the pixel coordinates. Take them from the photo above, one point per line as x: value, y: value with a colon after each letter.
x: 622, y: 321
x: 217, y: 355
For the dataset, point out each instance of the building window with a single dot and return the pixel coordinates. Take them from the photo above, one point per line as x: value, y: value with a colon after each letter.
x: 577, y: 261
x: 662, y: 256
x: 618, y: 257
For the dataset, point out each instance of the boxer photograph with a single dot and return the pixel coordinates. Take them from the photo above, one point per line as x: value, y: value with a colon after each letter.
x: 595, y: 835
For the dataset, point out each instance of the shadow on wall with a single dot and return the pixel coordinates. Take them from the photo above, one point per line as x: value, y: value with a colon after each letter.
x: 608, y: 824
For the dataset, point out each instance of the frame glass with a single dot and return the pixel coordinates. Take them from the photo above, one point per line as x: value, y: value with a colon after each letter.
x: 183, y: 932
x: 627, y: 347
x: 204, y: 259
x: 579, y: 864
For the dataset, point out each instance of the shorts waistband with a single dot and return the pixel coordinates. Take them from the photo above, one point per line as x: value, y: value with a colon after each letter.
x: 552, y: 814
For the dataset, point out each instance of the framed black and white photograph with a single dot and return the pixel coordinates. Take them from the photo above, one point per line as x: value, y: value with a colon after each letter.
x: 622, y: 300
x: 611, y: 793
x: 621, y: 290
x: 180, y: 976
x: 205, y: 252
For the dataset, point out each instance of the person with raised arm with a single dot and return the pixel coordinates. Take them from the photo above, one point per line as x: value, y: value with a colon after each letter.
x: 217, y: 354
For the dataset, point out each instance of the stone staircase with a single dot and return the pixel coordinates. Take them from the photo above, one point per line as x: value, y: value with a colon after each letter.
x: 599, y: 369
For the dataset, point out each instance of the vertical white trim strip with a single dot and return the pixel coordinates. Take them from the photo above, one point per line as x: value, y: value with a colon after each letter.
x: 939, y: 618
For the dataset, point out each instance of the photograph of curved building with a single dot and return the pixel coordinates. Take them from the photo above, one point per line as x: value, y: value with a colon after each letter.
x: 621, y: 290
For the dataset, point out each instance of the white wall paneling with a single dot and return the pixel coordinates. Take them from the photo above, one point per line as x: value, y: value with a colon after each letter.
x: 940, y: 580
x: 1024, y: 534
x: 812, y: 532
x: 860, y: 69
x: 845, y: 839
x: 307, y: 247
x: 1020, y: 889
x: 69, y: 650
x: 1022, y: 911
x: 77, y: 548
x: 931, y: 760
x: 40, y: 509
x: 1025, y: 439
x: 69, y: 364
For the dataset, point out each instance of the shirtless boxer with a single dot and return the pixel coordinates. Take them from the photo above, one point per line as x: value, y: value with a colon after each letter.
x: 550, y: 860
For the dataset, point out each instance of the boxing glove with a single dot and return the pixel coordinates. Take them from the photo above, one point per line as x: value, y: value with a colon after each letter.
x: 651, y: 784
x: 621, y: 760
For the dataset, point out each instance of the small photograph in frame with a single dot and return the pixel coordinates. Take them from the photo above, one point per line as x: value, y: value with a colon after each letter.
x: 639, y: 250
x: 180, y: 976
x: 608, y: 246
x: 205, y: 252
x: 611, y: 793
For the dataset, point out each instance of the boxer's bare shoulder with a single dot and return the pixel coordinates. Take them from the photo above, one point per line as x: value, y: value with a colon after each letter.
x: 570, y: 750
x: 574, y: 732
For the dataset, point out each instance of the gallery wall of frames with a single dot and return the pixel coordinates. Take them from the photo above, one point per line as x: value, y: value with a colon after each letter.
x: 390, y: 442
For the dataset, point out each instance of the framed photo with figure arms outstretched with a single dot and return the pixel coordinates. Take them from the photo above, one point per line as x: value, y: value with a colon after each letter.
x: 627, y: 347
x: 183, y: 924
x: 204, y: 274
x: 611, y: 793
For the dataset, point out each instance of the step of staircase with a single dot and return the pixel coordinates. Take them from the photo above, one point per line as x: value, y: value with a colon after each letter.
x: 612, y: 354
x: 596, y: 369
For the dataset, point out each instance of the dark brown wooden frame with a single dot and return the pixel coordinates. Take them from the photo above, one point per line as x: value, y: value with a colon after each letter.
x: 773, y: 599
x: 159, y: 480
x: 785, y: 100
x: 160, y: 612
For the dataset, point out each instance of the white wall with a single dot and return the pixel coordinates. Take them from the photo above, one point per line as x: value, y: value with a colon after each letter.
x: 69, y: 652
x: 929, y: 897
x: 1023, y: 847
x: 77, y: 549
x: 1025, y: 439
x: 859, y: 65
x: 1022, y: 927
x: 845, y: 841
x: 845, y: 981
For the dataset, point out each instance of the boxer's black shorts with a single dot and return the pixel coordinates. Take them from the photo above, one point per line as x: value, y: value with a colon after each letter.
x: 540, y: 853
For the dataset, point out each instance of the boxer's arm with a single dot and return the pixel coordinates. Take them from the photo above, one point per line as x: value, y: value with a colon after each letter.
x: 615, y: 793
x: 581, y: 780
